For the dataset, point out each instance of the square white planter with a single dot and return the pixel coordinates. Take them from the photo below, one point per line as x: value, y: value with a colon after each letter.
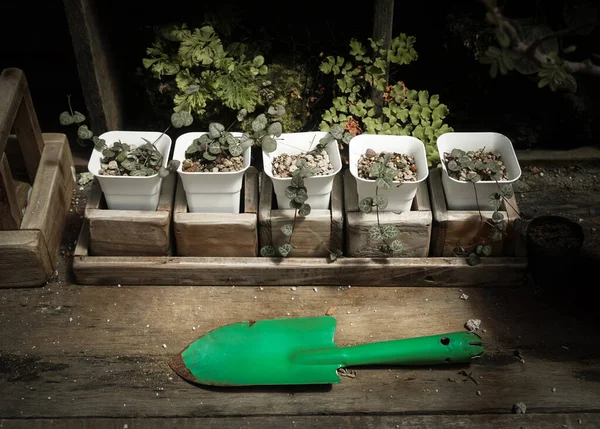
x: 318, y: 188
x: 208, y: 192
x: 401, y: 195
x: 131, y: 192
x: 461, y: 195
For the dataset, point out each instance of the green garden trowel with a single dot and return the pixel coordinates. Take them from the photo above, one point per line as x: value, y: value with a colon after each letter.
x: 302, y: 351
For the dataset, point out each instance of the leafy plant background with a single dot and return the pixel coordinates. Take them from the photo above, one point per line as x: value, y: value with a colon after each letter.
x: 448, y: 36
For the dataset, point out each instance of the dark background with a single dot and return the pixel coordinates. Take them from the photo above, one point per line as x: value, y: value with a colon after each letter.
x: 37, y: 40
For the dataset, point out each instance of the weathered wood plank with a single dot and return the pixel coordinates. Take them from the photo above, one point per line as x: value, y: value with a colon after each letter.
x: 27, y: 129
x: 218, y: 234
x: 98, y: 352
x: 12, y: 86
x: 314, y: 235
x: 51, y: 194
x: 24, y: 259
x: 96, y: 66
x: 481, y: 421
x: 208, y: 271
x: 452, y: 228
x: 414, y: 226
x: 130, y: 232
x: 10, y: 212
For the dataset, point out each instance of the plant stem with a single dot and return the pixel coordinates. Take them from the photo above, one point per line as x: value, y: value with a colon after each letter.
x: 69, y: 102
x: 293, y: 226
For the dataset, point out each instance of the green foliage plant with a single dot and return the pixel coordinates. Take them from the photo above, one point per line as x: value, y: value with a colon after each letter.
x: 209, y: 77
x: 387, y: 234
x: 475, y: 170
x: 121, y: 159
x: 403, y: 112
x: 534, y: 49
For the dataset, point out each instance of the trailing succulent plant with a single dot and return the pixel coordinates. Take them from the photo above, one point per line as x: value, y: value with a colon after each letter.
x: 384, y: 179
x: 208, y: 76
x: 298, y: 195
x: 403, y: 112
x: 121, y: 159
x: 474, y: 166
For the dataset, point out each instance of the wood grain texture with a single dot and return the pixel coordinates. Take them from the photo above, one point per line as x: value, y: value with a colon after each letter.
x: 94, y: 352
x: 24, y: 259
x: 315, y: 235
x: 414, y: 226
x: 130, y: 232
x: 453, y: 228
x: 10, y: 212
x: 481, y: 421
x: 218, y: 234
x: 52, y: 191
x: 95, y: 62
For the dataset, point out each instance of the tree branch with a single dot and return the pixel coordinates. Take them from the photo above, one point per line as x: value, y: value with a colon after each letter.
x: 532, y: 49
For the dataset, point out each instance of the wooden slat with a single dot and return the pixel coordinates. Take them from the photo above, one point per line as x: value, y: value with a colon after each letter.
x: 10, y: 212
x: 218, y: 234
x: 251, y: 197
x: 27, y: 129
x: 24, y: 259
x: 130, y: 232
x: 73, y: 352
x: 12, y: 86
x: 414, y: 225
x: 482, y: 421
x: 96, y: 66
x: 52, y: 191
x: 337, y: 214
x: 452, y: 228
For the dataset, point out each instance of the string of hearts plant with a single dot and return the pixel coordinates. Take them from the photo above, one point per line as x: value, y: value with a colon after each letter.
x: 298, y: 195
x: 119, y: 158
x: 384, y: 180
x: 473, y: 167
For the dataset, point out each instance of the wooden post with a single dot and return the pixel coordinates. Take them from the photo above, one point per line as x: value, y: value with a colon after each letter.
x: 96, y: 66
x: 383, y: 23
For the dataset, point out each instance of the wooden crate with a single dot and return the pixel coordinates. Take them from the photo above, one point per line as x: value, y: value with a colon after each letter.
x: 218, y: 234
x: 414, y: 226
x: 30, y: 238
x: 315, y: 235
x: 130, y: 232
x: 452, y: 228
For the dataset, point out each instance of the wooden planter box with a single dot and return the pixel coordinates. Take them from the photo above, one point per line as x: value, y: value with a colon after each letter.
x: 315, y: 235
x: 452, y: 228
x: 30, y: 238
x: 293, y: 270
x: 130, y: 232
x: 218, y: 234
x: 414, y: 226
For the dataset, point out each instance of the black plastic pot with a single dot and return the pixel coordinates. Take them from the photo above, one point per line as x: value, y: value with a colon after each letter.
x: 553, y: 246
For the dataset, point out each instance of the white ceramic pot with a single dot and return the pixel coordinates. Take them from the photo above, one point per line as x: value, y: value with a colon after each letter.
x: 131, y: 192
x: 461, y: 195
x: 318, y: 188
x: 401, y: 195
x: 208, y: 192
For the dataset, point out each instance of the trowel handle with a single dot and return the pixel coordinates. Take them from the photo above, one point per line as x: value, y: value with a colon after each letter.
x: 436, y: 349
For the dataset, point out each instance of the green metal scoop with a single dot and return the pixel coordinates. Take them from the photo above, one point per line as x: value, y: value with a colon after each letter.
x: 302, y: 351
